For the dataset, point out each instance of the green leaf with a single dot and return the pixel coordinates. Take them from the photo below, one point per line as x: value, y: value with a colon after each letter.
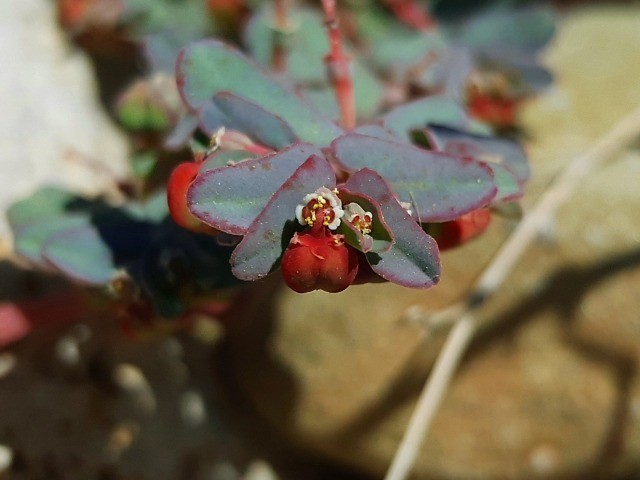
x: 209, y: 67
x: 81, y: 254
x: 439, y: 187
x: 236, y: 113
x: 418, y: 114
x: 494, y: 151
x: 43, y: 204
x: 225, y: 158
x: 230, y: 198
x: 30, y: 240
x: 522, y: 29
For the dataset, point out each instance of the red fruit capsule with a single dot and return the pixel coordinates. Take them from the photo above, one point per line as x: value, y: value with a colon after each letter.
x: 461, y: 230
x: 499, y: 112
x: 319, y: 261
x: 179, y: 182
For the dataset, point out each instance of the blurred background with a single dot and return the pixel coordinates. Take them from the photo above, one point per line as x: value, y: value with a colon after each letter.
x: 321, y: 386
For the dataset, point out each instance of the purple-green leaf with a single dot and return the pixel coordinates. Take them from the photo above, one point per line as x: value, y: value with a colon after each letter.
x: 82, y: 255
x: 236, y: 113
x: 30, y: 240
x: 481, y: 147
x: 230, y: 198
x: 267, y: 237
x: 439, y: 187
x: 413, y: 259
x: 418, y: 114
x: 208, y: 67
x: 224, y: 158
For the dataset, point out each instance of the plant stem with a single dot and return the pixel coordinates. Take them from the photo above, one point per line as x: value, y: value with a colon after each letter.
x: 338, y: 68
x: 281, y: 19
x: 560, y: 190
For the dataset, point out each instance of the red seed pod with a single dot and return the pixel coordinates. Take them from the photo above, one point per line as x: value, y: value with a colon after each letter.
x: 177, y: 187
x: 456, y: 232
x: 497, y: 111
x: 319, y: 261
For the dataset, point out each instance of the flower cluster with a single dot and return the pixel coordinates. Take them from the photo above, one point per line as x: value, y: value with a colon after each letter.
x: 318, y: 258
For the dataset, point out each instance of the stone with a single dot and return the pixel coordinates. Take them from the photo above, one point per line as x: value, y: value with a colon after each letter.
x: 549, y: 388
x: 53, y: 129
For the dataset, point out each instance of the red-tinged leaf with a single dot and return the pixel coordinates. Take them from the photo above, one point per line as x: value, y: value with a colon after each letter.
x: 269, y: 234
x: 230, y: 198
x: 236, y: 113
x: 488, y: 149
x: 418, y: 114
x: 208, y: 67
x: 413, y: 260
x: 438, y: 186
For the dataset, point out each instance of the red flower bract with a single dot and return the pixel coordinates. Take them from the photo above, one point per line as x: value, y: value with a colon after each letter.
x: 319, y: 261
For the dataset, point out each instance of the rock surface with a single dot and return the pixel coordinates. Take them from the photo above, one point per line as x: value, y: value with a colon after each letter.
x: 52, y: 128
x: 550, y: 389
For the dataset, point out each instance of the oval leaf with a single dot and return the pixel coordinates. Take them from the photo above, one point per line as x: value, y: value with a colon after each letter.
x: 439, y: 187
x: 81, y: 254
x: 208, y: 67
x: 417, y: 115
x: 230, y: 198
x: 234, y: 112
x: 481, y: 147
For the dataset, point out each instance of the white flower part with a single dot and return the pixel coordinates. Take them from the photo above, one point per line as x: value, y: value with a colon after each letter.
x: 353, y: 210
x: 299, y: 216
x: 357, y: 216
x: 322, y: 198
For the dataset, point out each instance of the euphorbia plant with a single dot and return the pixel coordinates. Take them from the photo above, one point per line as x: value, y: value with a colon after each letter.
x: 339, y: 158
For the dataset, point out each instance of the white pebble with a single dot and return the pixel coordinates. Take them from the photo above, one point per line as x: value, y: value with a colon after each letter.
x: 6, y: 458
x: 193, y: 409
x: 7, y: 363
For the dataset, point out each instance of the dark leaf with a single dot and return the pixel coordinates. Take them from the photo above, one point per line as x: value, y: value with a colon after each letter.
x: 236, y: 113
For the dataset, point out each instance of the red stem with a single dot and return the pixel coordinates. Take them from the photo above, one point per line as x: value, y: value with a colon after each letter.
x: 338, y: 68
x: 279, y: 55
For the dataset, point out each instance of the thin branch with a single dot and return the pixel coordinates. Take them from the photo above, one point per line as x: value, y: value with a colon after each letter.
x: 338, y: 68
x: 560, y: 190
